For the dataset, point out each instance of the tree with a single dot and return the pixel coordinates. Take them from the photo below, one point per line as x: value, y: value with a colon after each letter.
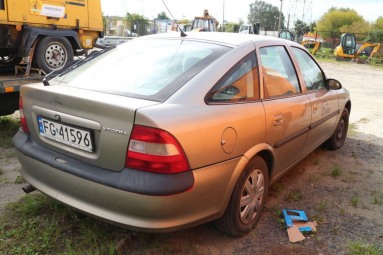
x: 301, y: 28
x: 162, y: 15
x: 335, y: 20
x: 360, y: 29
x: 137, y: 23
x: 231, y: 27
x: 378, y: 24
x: 377, y: 30
x: 266, y: 14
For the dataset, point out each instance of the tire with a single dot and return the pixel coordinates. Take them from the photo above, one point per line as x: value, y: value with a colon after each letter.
x: 337, y: 139
x: 53, y: 53
x: 247, y: 200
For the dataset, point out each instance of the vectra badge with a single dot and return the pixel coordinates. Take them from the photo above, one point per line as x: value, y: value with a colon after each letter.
x: 116, y: 131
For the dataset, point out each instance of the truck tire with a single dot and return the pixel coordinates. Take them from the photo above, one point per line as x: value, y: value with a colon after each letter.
x: 53, y: 53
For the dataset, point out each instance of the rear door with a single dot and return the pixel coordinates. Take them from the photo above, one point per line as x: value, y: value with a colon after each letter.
x: 324, y: 102
x: 287, y: 108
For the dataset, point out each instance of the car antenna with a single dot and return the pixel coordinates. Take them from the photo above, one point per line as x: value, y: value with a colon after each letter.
x: 183, y: 34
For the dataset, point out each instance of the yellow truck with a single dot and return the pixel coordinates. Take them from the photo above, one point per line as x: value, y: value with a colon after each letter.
x: 47, y: 33
x: 44, y: 34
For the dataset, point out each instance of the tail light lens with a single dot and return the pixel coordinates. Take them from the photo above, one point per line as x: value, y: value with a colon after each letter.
x: 23, y: 121
x: 155, y: 150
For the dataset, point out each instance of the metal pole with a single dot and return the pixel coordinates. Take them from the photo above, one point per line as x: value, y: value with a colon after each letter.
x: 280, y: 17
x: 223, y: 16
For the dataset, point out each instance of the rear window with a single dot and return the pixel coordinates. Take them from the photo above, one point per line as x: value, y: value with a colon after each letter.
x: 149, y: 69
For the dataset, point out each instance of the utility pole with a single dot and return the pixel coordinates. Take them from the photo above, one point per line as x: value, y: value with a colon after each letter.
x: 280, y: 17
x: 223, y: 16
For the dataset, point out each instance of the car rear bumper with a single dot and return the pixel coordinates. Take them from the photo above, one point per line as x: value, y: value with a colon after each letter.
x: 204, y: 200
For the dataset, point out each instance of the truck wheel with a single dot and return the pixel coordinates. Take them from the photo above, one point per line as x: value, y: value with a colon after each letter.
x: 247, y: 200
x: 53, y: 53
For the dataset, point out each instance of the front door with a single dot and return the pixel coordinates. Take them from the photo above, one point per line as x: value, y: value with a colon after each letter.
x: 287, y: 108
x: 324, y: 102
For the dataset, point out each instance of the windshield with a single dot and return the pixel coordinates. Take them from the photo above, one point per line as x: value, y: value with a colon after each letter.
x: 150, y: 69
x: 244, y: 28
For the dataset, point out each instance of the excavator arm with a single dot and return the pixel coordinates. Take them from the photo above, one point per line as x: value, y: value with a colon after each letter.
x: 366, y: 45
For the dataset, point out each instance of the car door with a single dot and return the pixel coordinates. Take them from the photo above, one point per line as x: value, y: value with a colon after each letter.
x: 287, y: 109
x: 324, y: 102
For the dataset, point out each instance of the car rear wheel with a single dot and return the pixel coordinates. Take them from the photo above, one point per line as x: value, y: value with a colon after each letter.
x: 247, y: 200
x: 336, y: 141
x: 53, y: 53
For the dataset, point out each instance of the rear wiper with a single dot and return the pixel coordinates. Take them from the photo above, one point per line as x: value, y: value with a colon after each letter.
x: 78, y: 63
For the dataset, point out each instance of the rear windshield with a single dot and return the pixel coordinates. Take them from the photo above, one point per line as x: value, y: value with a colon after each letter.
x: 150, y: 69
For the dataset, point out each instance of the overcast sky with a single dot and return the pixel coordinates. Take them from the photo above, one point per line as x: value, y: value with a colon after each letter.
x: 234, y: 10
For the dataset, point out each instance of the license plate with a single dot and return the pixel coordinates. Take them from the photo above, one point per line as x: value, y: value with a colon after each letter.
x: 66, y: 134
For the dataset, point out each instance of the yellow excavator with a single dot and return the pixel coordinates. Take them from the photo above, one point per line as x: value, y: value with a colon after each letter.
x: 308, y: 43
x: 347, y: 49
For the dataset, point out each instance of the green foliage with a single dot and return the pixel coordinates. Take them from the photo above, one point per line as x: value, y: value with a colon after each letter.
x: 136, y: 23
x: 266, y: 14
x: 295, y: 196
x: 354, y: 200
x: 162, y: 15
x: 336, y: 171
x: 336, y: 20
x: 322, y: 206
x: 358, y: 248
x: 39, y: 225
x: 8, y: 128
x: 301, y: 27
x: 376, y: 34
x: 359, y: 28
x: 231, y: 27
x: 378, y: 24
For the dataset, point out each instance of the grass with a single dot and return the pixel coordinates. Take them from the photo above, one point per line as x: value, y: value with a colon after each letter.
x: 377, y: 198
x: 336, y: 171
x: 317, y: 161
x: 295, y: 196
x: 359, y: 248
x: 8, y: 128
x: 322, y: 206
x: 39, y: 225
x: 354, y: 200
x: 352, y: 130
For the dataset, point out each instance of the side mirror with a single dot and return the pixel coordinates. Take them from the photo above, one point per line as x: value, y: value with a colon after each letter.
x: 333, y: 84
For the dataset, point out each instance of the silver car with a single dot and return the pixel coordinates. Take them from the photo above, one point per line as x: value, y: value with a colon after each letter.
x: 166, y: 132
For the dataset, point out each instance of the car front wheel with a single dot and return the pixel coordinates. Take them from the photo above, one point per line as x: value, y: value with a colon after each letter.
x: 247, y: 200
x: 336, y: 141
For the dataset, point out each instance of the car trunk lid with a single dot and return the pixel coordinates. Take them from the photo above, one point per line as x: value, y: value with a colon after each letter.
x: 90, y: 126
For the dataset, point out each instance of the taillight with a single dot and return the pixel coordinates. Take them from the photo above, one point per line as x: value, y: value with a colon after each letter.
x: 23, y: 121
x: 155, y: 150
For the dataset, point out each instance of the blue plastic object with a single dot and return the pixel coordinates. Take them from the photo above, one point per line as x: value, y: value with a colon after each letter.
x: 295, y: 215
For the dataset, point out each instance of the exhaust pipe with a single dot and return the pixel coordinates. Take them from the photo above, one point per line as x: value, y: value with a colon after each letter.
x: 28, y: 188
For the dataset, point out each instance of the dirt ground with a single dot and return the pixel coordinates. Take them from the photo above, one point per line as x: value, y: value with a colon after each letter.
x: 341, y: 190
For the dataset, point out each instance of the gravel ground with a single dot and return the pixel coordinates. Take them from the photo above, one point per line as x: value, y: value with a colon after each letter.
x: 348, y: 207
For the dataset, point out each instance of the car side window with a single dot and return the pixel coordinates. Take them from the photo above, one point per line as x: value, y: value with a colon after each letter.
x: 279, y: 75
x: 312, y: 74
x: 241, y: 83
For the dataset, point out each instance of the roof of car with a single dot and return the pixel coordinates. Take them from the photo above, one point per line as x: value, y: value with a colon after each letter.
x: 233, y: 39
